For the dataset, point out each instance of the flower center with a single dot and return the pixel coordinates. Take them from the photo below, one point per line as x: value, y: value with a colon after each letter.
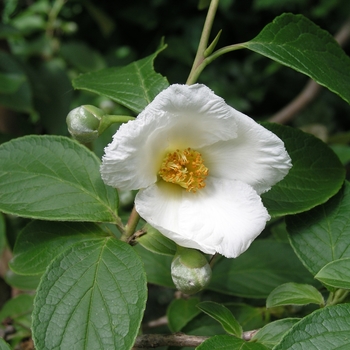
x: 184, y: 168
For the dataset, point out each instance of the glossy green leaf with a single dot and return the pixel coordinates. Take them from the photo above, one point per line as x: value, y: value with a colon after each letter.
x: 317, y: 173
x: 157, y: 267
x: 322, y: 234
x: 226, y: 342
x: 254, y: 274
x: 327, y: 329
x: 294, y: 294
x: 271, y: 334
x: 41, y: 241
x: 91, y: 297
x: 336, y: 274
x: 223, y: 315
x: 295, y: 41
x: 54, y: 178
x: 4, y: 345
x: 180, y: 312
x: 133, y: 86
x: 155, y: 242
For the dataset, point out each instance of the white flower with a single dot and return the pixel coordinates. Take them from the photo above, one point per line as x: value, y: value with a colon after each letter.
x: 200, y: 166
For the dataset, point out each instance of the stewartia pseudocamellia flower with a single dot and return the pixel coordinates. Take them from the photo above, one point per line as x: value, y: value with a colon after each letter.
x: 200, y: 166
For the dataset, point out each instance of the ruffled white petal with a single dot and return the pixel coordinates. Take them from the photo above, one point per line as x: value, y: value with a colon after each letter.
x: 224, y: 217
x: 256, y: 156
x: 181, y: 116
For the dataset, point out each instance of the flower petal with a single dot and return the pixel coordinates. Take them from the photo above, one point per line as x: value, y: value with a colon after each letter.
x: 181, y: 116
x: 256, y: 156
x: 224, y: 217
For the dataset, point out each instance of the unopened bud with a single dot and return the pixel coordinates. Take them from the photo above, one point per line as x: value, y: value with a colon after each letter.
x: 190, y: 270
x: 83, y: 123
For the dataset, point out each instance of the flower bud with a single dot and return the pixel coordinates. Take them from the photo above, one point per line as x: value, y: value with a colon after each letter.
x: 83, y: 123
x: 190, y: 270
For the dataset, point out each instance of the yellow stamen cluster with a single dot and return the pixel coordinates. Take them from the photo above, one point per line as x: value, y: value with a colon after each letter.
x: 184, y: 168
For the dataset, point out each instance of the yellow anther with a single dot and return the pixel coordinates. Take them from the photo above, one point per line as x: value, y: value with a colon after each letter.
x: 184, y: 168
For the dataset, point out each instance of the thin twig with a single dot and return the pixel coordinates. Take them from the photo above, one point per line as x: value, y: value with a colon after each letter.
x: 311, y: 89
x: 161, y: 321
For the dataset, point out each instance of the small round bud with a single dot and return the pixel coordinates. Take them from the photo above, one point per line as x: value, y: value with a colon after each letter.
x: 190, y: 270
x: 83, y: 123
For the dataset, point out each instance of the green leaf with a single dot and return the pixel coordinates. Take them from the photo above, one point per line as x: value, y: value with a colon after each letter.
x: 254, y: 274
x: 11, y: 82
x: 18, y: 94
x: 327, y: 329
x: 343, y: 152
x: 40, y: 242
x: 223, y: 315
x: 2, y: 233
x: 294, y: 294
x: 133, y: 86
x: 51, y: 101
x: 155, y: 242
x: 180, y: 312
x: 54, y: 178
x: 17, y: 307
x: 21, y: 282
x: 81, y: 56
x: 317, y: 173
x: 157, y: 267
x: 336, y: 274
x: 91, y: 297
x: 249, y: 318
x: 295, y: 41
x: 322, y: 234
x: 4, y: 345
x: 227, y: 342
x: 271, y: 334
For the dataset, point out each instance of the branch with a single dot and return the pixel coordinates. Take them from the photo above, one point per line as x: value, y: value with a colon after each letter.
x: 152, y: 341
x: 176, y: 339
x: 311, y: 89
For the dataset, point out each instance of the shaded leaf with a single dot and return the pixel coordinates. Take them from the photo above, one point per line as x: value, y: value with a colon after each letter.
x: 180, y: 312
x: 226, y: 342
x: 157, y: 267
x: 254, y: 274
x: 22, y: 282
x: 17, y: 307
x: 18, y: 94
x: 223, y: 315
x: 155, y: 242
x: 317, y: 173
x: 322, y: 234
